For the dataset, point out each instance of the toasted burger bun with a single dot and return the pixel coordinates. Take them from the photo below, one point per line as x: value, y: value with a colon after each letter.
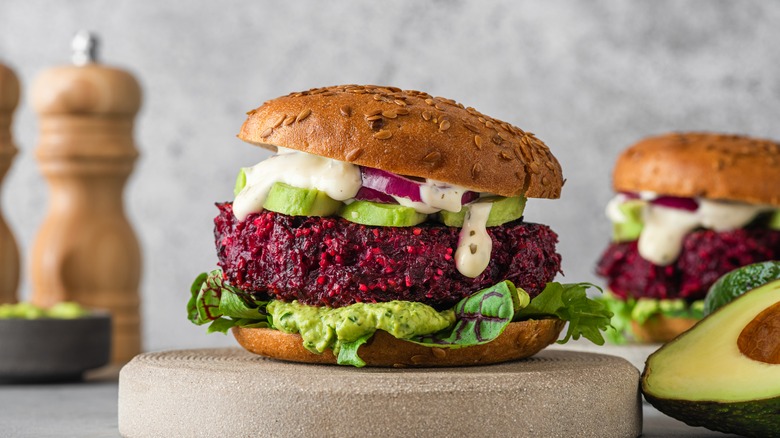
x: 519, y: 340
x: 408, y: 133
x: 660, y: 329
x: 714, y: 166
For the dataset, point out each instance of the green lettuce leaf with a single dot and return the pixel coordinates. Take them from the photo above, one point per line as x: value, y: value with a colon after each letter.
x: 480, y: 317
x: 222, y: 306
x: 569, y: 302
x: 348, y: 351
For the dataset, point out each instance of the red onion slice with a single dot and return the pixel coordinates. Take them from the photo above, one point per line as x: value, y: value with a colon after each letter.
x: 390, y: 183
x: 367, y: 194
x: 387, y: 183
x: 689, y: 204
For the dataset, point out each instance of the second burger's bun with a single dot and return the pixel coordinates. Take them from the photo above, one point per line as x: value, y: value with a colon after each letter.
x: 408, y: 133
x: 712, y: 166
x: 661, y: 329
x: 519, y: 340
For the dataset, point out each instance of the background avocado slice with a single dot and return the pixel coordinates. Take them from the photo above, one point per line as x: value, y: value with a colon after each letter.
x: 631, y: 228
x: 724, y: 373
x: 384, y: 215
x: 502, y: 211
x: 774, y: 220
x: 294, y: 201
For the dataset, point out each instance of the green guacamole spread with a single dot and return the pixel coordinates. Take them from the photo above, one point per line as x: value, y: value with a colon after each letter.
x: 325, y: 327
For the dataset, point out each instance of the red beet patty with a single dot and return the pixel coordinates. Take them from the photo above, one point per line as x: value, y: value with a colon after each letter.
x: 333, y: 262
x: 706, y: 255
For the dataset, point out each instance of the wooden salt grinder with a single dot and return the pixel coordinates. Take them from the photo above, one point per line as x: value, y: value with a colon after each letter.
x: 9, y: 253
x: 86, y: 250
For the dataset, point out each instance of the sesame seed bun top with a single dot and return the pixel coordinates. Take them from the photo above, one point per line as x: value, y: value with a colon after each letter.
x: 408, y: 133
x: 706, y: 165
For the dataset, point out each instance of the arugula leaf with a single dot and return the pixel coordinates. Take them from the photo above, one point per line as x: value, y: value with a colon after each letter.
x: 479, y: 318
x: 569, y: 302
x: 222, y: 306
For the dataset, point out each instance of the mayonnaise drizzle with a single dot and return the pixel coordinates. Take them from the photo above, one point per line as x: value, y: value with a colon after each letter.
x: 474, y: 243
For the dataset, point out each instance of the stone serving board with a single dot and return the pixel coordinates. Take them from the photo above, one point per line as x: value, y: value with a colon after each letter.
x: 230, y: 392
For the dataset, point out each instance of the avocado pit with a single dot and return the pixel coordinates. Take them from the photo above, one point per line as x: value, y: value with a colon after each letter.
x: 760, y: 339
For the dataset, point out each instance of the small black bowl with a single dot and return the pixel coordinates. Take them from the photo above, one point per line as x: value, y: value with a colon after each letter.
x: 53, y: 350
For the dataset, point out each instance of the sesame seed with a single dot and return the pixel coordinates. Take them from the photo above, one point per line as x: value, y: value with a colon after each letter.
x: 354, y: 154
x: 383, y: 134
x: 279, y: 121
x: 372, y: 118
x: 303, y: 114
x: 402, y: 111
x: 478, y: 142
x: 289, y: 120
x: 426, y: 115
x: 373, y: 112
x: 432, y: 157
x: 439, y: 353
x: 444, y: 125
x: 400, y: 102
x: 476, y: 170
x: 471, y: 128
x: 345, y: 111
x: 390, y: 114
x: 266, y: 133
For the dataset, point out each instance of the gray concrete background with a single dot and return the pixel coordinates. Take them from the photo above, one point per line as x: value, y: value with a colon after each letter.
x: 588, y: 77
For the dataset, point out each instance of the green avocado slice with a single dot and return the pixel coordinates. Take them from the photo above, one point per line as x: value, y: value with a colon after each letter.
x: 383, y: 215
x: 294, y: 201
x: 502, y: 211
x: 774, y: 220
x: 724, y: 373
x: 631, y: 228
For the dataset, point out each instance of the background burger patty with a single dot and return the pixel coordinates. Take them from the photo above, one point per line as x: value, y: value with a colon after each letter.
x: 706, y: 255
x: 334, y: 262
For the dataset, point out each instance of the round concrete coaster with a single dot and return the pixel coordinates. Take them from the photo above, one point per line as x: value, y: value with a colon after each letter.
x: 230, y: 392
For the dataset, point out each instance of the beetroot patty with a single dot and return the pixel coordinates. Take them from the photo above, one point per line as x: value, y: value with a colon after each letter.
x: 334, y: 262
x: 706, y: 255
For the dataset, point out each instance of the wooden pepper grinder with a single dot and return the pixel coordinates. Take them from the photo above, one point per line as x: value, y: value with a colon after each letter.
x: 9, y: 253
x: 86, y: 250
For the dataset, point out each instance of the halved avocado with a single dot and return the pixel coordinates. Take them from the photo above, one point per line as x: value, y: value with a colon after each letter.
x: 724, y: 373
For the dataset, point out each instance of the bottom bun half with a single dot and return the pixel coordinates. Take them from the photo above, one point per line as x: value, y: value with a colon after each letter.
x: 519, y: 340
x: 661, y: 329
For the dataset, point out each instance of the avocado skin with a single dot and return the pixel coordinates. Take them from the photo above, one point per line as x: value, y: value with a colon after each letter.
x: 755, y: 418
x: 739, y: 281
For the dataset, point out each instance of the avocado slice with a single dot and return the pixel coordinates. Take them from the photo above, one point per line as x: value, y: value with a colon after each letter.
x: 774, y: 220
x: 631, y: 228
x: 502, y: 211
x: 739, y: 281
x: 384, y: 215
x: 240, y: 182
x: 294, y: 201
x: 724, y: 373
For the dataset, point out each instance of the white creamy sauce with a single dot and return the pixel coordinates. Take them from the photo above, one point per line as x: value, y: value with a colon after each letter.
x: 474, y: 244
x: 442, y: 196
x: 339, y: 180
x: 665, y: 228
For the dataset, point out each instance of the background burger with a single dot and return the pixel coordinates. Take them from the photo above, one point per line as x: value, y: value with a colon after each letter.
x: 388, y: 230
x: 690, y: 207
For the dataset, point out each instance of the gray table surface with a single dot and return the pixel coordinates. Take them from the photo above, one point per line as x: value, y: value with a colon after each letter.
x: 89, y: 409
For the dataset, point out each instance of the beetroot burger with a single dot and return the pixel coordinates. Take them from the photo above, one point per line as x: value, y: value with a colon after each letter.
x: 690, y: 207
x: 387, y: 230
